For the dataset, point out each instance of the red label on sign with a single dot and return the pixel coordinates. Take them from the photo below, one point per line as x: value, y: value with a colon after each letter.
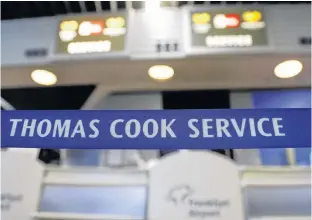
x: 97, y: 27
x: 232, y: 20
x: 222, y: 21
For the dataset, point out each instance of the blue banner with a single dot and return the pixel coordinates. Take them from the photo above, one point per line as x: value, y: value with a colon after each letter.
x: 157, y: 129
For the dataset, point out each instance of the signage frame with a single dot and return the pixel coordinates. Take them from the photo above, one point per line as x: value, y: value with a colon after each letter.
x: 190, y: 50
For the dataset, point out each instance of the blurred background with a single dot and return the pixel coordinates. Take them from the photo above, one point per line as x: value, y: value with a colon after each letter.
x: 157, y: 55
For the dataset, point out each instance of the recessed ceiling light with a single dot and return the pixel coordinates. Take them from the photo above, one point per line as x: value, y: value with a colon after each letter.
x: 161, y: 72
x: 288, y: 69
x: 44, y: 77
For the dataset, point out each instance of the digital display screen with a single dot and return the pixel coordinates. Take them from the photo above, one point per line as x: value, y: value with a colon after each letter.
x: 92, y: 34
x: 228, y: 28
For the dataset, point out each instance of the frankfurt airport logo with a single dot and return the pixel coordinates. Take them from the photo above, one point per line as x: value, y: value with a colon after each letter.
x: 179, y: 194
x: 205, y: 208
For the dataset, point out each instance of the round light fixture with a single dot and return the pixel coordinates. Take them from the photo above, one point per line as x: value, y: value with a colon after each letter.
x: 44, y: 77
x: 161, y: 72
x: 288, y: 69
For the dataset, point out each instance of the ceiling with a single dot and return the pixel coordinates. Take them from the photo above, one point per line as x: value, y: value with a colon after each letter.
x: 215, y: 72
x: 33, y: 9
x: 84, y: 84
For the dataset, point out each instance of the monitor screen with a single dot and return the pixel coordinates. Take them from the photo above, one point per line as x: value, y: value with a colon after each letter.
x: 92, y: 34
x: 228, y: 28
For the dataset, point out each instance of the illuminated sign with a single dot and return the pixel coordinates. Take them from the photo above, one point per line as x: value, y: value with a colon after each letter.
x: 222, y: 21
x: 225, y: 28
x: 92, y: 34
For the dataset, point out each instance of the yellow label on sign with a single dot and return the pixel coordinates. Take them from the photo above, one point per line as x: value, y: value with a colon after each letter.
x: 201, y: 18
x: 252, y: 16
x: 117, y: 22
x: 69, y: 25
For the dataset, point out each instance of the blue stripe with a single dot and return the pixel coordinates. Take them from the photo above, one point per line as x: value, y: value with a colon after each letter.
x: 174, y: 129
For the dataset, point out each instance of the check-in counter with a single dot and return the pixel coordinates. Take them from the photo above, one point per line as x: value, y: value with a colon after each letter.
x: 266, y: 193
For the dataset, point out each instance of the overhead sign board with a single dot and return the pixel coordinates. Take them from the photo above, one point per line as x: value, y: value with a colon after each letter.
x: 228, y: 28
x: 92, y: 34
x: 150, y: 129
